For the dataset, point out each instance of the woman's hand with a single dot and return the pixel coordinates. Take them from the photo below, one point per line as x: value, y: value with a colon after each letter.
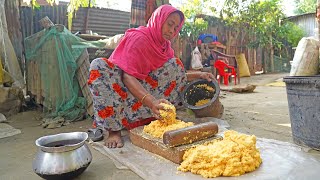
x: 200, y: 75
x: 207, y: 76
x: 156, y: 107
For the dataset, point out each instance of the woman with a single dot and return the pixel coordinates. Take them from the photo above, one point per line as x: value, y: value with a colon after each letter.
x: 141, y: 73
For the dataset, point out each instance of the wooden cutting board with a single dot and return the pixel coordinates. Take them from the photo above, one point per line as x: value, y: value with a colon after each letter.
x: 156, y: 146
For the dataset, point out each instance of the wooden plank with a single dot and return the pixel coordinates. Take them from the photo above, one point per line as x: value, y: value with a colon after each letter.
x: 82, y: 75
x: 156, y: 146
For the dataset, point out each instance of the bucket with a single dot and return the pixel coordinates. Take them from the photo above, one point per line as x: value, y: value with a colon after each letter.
x: 203, y: 90
x: 303, y: 94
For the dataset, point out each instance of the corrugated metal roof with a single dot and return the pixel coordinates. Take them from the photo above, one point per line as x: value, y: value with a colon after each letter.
x: 103, y: 21
x: 305, y: 14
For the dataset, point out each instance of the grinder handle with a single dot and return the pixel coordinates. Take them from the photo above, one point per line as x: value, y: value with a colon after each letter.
x: 190, y: 134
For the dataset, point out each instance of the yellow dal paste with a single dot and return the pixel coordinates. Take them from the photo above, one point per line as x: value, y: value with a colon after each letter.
x: 169, y: 122
x: 235, y: 155
x: 205, y: 86
x: 202, y: 102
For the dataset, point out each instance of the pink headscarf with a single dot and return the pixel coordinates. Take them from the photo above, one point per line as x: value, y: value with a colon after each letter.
x: 143, y: 49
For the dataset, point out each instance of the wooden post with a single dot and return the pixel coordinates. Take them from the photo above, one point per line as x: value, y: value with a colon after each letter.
x: 46, y: 22
x: 31, y: 22
x: 86, y: 21
x: 271, y: 54
x: 249, y: 61
x: 184, y: 52
x: 265, y: 63
x: 230, y: 39
x: 318, y: 18
x: 175, y: 44
x: 189, y: 48
x: 254, y: 60
x: 1, y: 74
x: 255, y: 57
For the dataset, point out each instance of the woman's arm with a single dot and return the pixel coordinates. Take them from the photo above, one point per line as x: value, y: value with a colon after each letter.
x: 140, y: 93
x: 136, y: 89
x: 199, y: 75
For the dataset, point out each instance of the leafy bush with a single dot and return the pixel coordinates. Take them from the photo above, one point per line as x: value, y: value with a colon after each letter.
x: 294, y: 33
x: 194, y: 24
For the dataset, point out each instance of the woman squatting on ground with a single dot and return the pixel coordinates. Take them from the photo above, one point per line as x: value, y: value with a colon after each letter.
x: 141, y: 73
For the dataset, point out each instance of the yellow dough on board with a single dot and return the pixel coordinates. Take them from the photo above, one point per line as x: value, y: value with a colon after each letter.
x: 235, y: 155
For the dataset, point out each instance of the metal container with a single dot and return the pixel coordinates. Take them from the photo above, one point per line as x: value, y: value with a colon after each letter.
x: 193, y: 93
x: 62, y: 156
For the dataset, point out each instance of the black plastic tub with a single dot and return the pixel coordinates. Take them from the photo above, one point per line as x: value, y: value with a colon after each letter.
x: 303, y: 94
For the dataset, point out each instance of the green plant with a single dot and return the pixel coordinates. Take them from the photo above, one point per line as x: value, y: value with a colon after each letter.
x: 74, y: 5
x: 261, y: 20
x: 292, y: 33
x: 194, y: 23
x: 305, y: 6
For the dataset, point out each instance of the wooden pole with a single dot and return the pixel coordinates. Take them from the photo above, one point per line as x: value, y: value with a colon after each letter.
x: 31, y: 18
x: 1, y: 74
x: 318, y: 18
x: 271, y: 54
x: 175, y: 44
x: 86, y: 21
x: 184, y: 52
x: 46, y: 22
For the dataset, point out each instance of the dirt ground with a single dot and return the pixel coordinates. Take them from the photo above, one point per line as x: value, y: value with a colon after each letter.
x: 263, y: 113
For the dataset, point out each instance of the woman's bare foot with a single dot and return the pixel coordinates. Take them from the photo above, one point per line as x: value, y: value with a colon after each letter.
x: 114, y: 140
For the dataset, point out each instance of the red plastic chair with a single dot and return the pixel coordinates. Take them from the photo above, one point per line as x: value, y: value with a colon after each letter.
x: 225, y: 71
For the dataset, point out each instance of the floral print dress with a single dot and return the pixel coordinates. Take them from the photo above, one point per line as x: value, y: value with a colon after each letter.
x: 115, y: 107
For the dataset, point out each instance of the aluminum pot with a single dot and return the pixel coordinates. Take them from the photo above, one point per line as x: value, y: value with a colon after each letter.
x: 62, y: 156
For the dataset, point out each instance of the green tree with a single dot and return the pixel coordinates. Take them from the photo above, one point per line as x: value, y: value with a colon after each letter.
x: 235, y: 16
x: 194, y: 23
x: 270, y: 29
x: 261, y: 20
x: 305, y: 6
x: 291, y: 33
